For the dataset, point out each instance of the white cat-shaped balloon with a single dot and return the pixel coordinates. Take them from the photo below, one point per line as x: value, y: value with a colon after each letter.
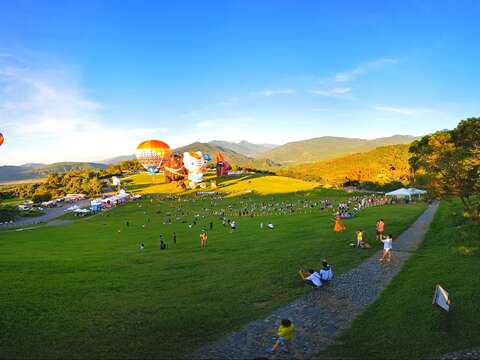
x: 195, y: 163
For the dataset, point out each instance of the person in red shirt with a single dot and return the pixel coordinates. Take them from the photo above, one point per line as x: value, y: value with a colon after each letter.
x: 380, y: 229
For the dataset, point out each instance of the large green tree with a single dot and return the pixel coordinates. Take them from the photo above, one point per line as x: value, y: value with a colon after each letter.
x: 449, y: 162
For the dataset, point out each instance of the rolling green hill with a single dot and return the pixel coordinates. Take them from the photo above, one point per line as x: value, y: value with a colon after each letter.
x: 328, y: 147
x: 35, y: 171
x: 382, y: 165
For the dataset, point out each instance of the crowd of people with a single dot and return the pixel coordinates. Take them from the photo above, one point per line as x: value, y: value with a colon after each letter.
x: 314, y: 278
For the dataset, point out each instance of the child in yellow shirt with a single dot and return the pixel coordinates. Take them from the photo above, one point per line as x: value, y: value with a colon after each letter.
x: 284, y: 334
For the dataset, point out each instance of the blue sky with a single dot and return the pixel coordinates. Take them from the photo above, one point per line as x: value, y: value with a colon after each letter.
x: 86, y: 80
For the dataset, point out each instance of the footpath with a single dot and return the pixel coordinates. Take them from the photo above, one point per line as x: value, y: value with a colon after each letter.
x: 322, y: 316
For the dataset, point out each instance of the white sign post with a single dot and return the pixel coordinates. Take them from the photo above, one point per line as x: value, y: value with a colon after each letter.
x: 441, y: 298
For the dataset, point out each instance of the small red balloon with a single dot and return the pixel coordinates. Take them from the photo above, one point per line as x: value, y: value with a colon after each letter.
x: 1, y: 139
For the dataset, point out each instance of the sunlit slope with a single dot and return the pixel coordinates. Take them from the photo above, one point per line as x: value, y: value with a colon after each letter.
x: 237, y: 185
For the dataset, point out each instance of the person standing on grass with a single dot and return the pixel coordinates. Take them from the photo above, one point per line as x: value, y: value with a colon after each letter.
x: 162, y: 240
x: 380, y: 229
x: 387, y: 248
x: 174, y: 239
x: 284, y: 335
x: 211, y: 225
x: 359, y: 238
x: 163, y: 246
x: 203, y: 239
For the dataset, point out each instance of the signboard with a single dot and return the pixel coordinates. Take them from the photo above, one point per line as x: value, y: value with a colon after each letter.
x: 441, y: 298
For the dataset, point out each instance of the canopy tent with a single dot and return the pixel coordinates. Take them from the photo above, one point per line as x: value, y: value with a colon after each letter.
x: 402, y: 192
x: 414, y: 191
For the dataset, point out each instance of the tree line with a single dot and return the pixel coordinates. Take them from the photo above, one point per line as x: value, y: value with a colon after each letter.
x: 85, y: 181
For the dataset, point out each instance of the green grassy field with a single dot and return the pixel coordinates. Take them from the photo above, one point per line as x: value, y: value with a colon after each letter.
x: 86, y: 290
x: 402, y: 323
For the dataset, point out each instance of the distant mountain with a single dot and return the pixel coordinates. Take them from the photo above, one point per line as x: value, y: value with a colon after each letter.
x: 381, y: 165
x: 328, y: 147
x: 32, y: 165
x: 244, y: 147
x: 118, y: 159
x: 35, y: 171
x: 231, y: 156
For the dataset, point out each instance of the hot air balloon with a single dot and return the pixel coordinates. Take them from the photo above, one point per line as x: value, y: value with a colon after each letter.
x: 174, y: 169
x: 152, y: 154
x: 196, y: 166
x: 1, y: 139
x: 222, y: 166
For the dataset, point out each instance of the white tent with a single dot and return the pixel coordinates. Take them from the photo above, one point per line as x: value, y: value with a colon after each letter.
x: 402, y: 192
x: 399, y: 192
x: 414, y: 191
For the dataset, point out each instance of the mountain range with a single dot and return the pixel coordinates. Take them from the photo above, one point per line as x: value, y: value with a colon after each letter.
x: 243, y: 153
x: 382, y: 165
x: 328, y: 147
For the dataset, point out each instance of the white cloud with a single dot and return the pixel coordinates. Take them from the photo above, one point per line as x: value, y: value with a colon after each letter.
x: 339, y: 92
x: 47, y: 117
x: 234, y: 100
x: 402, y: 110
x: 206, y: 124
x: 271, y: 92
x: 362, y: 69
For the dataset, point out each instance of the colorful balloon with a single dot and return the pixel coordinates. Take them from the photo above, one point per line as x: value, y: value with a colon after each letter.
x: 174, y: 169
x: 222, y: 166
x: 196, y: 166
x: 152, y: 154
x: 1, y: 139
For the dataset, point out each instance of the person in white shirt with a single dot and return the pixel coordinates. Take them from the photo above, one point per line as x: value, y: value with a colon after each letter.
x: 311, y: 277
x: 387, y: 248
x: 270, y: 226
x: 326, y: 272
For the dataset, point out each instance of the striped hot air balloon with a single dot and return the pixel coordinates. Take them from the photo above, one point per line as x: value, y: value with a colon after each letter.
x: 1, y: 139
x: 152, y: 154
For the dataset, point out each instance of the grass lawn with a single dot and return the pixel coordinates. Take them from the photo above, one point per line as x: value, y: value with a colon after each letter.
x: 86, y: 290
x: 402, y: 323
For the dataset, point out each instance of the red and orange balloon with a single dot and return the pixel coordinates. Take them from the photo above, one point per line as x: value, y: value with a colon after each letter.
x: 1, y: 139
x: 152, y: 154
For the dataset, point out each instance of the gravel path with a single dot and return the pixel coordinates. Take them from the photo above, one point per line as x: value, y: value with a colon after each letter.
x: 322, y: 315
x: 472, y: 354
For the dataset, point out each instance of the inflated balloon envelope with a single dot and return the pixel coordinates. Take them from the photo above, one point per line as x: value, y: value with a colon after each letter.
x: 1, y: 138
x: 441, y: 298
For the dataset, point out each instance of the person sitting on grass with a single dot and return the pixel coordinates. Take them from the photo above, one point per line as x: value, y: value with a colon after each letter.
x: 142, y: 246
x: 163, y: 246
x: 326, y: 272
x: 270, y: 226
x: 311, y: 277
x: 284, y: 335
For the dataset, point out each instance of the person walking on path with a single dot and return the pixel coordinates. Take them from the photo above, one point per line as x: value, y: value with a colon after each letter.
x: 387, y: 248
x: 284, y: 335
